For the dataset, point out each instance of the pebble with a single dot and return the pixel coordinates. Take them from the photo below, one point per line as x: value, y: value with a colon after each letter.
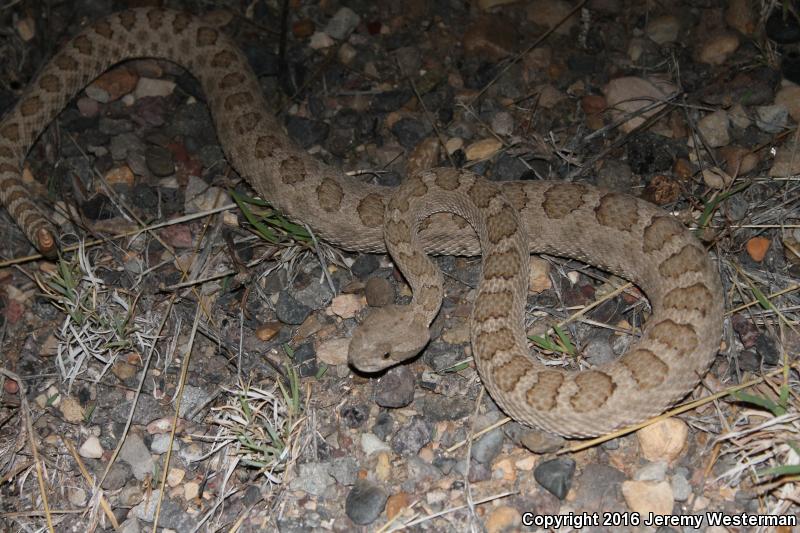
x: 342, y: 23
x: 539, y: 275
x: 786, y: 162
x: 91, y: 448
x: 491, y: 37
x: 320, y: 40
x: 151, y: 87
x: 345, y: 471
x: 789, y: 98
x: 379, y: 292
x: 364, y: 265
x: 136, y: 455
x: 664, y: 440
x: 191, y: 490
x: 161, y: 443
x: 629, y: 94
x: 541, y: 442
x: 556, y: 476
x: 548, y: 13
x: 483, y: 149
x: 267, y: 331
x: 502, y: 519
x: 112, y: 85
x: 146, y: 510
x: 738, y: 159
x: 307, y: 132
x: 290, y: 311
x: 645, y: 497
x: 410, y: 132
x: 714, y: 128
x: 424, y: 156
x: 655, y: 471
x: 663, y: 29
x: 771, y: 118
x: 410, y: 438
x: 120, y: 176
x: 175, y: 476
x: 370, y: 443
x: 305, y: 357
x: 76, y: 496
x: 365, y: 502
x: 395, y: 388
x: 312, y: 478
x: 502, y: 123
x: 396, y: 503
x: 71, y: 410
x: 384, y: 423
x: 347, y: 305
x: 159, y: 161
x: 757, y: 248
x: 716, y: 178
x: 681, y: 488
x: 488, y: 446
x: 740, y: 16
x: 333, y: 351
x: 718, y: 48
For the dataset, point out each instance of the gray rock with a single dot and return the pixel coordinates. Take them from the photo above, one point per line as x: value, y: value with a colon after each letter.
x: 159, y: 161
x: 771, y: 118
x: 599, y: 488
x: 137, y: 456
x: 313, y: 478
x: 438, y: 408
x: 122, y: 145
x: 420, y: 471
x: 411, y: 438
x: 656, y: 471
x: 289, y: 310
x: 395, y: 388
x: 192, y: 399
x: 410, y: 131
x: 160, y: 444
x: 305, y: 131
x: 305, y: 358
x: 384, y: 423
x: 488, y: 446
x: 365, y: 502
x: 345, y: 471
x: 681, y: 488
x: 364, y: 265
x: 342, y: 24
x: 555, y: 476
x: 598, y: 351
x: 535, y: 440
x: 390, y: 100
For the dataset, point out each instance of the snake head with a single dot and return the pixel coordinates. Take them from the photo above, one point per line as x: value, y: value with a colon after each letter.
x: 389, y: 335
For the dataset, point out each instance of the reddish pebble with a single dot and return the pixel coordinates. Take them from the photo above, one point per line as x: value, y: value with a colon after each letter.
x: 303, y: 28
x: 10, y: 386
x: 757, y: 248
x: 593, y: 104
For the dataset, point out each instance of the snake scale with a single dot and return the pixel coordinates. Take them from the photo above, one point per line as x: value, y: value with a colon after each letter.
x: 616, y: 232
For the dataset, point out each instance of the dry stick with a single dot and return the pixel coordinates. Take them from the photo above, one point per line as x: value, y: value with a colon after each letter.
x: 96, y: 242
x: 184, y: 371
x: 103, y: 502
x: 26, y: 413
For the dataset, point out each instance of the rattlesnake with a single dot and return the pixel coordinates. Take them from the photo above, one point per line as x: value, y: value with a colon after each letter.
x: 613, y: 231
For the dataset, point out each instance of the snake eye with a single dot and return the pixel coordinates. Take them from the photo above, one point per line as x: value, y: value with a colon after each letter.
x: 386, y: 356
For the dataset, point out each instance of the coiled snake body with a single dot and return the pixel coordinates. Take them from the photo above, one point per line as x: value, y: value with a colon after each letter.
x: 613, y: 231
